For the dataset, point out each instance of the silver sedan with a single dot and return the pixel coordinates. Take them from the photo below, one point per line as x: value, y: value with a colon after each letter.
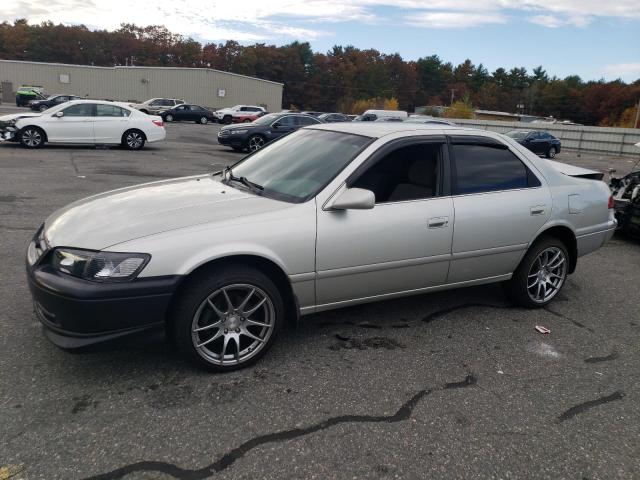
x: 328, y: 216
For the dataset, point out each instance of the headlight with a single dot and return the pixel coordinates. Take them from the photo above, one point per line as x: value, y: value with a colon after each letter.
x: 99, y: 266
x: 239, y: 132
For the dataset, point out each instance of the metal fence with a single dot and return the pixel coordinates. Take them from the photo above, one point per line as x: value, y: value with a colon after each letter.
x: 603, y: 140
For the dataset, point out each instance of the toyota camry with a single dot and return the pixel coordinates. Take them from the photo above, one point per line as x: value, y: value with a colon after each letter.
x: 328, y: 216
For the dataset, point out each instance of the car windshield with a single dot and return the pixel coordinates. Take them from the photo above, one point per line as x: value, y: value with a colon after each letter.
x: 296, y: 167
x: 517, y: 134
x: 266, y: 119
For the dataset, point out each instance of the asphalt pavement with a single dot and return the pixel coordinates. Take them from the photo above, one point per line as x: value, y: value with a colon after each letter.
x: 453, y: 384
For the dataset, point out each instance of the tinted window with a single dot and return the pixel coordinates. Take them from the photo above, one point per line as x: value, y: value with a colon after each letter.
x: 407, y: 173
x: 287, y: 121
x: 178, y: 102
x: 110, y: 111
x: 79, y: 110
x: 306, y: 121
x: 197, y: 108
x: 319, y: 156
x: 167, y: 103
x: 156, y: 103
x: 485, y: 169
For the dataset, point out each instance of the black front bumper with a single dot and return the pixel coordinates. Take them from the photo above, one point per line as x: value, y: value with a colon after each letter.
x: 77, y: 312
x: 235, y: 141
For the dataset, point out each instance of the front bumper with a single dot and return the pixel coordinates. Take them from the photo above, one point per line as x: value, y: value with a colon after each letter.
x: 237, y: 141
x: 77, y: 312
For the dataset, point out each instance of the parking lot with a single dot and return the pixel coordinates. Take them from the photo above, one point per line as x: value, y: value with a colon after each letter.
x: 446, y: 385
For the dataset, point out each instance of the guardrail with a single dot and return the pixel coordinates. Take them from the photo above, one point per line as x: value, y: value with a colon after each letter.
x: 603, y: 140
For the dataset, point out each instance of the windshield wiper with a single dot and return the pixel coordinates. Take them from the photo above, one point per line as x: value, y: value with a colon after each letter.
x: 243, y: 180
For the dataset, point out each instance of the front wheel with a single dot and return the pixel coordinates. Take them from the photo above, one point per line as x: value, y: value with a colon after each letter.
x: 42, y: 108
x: 32, y: 137
x: 540, y: 275
x: 255, y: 142
x: 204, y: 120
x: 133, y: 139
x: 168, y: 118
x: 227, y: 318
x: 551, y: 153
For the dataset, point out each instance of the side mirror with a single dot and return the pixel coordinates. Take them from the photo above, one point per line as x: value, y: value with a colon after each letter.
x: 59, y: 114
x: 275, y: 125
x: 353, y: 199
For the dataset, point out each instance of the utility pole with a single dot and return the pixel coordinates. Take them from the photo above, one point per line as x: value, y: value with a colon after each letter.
x: 635, y: 124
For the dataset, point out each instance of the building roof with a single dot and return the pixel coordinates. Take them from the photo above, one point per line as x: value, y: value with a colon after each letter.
x: 141, y: 67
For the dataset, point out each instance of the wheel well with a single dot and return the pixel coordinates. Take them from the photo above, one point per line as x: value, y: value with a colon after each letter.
x: 566, y: 236
x: 37, y: 127
x: 134, y: 130
x: 269, y: 268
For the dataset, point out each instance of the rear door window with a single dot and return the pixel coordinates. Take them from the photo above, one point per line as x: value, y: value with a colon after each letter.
x: 486, y: 168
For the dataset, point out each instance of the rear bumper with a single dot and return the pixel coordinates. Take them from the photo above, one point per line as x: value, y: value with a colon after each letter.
x: 157, y: 135
x: 77, y: 312
x: 592, y: 241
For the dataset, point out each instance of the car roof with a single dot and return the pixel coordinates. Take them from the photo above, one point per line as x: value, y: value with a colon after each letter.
x: 380, y: 129
x: 101, y: 102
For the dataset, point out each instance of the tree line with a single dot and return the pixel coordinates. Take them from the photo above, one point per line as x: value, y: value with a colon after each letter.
x: 342, y: 79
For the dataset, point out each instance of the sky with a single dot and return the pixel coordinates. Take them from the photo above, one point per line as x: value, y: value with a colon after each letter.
x: 591, y: 38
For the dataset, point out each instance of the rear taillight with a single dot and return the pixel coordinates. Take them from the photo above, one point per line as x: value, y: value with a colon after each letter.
x: 611, y: 202
x: 157, y: 122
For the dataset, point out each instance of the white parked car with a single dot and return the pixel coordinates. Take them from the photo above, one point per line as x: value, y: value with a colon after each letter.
x: 84, y: 121
x: 325, y: 217
x: 154, y: 106
x: 384, y: 115
x: 226, y: 115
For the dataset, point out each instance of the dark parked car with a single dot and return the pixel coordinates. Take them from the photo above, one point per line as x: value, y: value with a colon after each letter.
x: 52, y: 101
x: 253, y: 136
x: 189, y: 113
x: 334, y: 117
x: 542, y: 143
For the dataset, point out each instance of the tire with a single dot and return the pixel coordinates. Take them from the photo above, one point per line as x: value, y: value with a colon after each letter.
x: 246, y: 120
x: 168, y: 118
x: 551, y: 153
x: 42, y: 108
x: 204, y: 121
x: 133, y: 139
x: 226, y: 119
x: 145, y: 111
x: 32, y: 137
x: 202, y: 304
x: 255, y: 142
x: 524, y: 287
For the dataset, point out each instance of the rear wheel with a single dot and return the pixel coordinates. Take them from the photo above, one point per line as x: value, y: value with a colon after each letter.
x: 133, y: 139
x: 227, y: 319
x: 551, y: 153
x: 246, y: 120
x: 32, y: 137
x: 540, y: 275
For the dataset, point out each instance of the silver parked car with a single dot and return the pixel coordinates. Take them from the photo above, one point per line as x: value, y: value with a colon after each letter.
x: 328, y: 216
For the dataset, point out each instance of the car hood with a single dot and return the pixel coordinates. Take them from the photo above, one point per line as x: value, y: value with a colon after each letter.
x: 121, y: 215
x: 16, y: 116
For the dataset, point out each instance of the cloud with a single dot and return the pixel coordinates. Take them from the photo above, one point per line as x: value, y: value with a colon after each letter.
x: 453, y: 19
x: 626, y: 71
x: 275, y: 20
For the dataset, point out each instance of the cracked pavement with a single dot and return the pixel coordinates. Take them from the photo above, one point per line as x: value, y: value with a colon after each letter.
x: 453, y: 384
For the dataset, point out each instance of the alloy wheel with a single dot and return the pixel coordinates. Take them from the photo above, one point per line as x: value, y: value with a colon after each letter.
x: 31, y: 138
x: 134, y: 140
x: 42, y: 108
x: 552, y: 152
x: 547, y: 274
x: 255, y: 143
x: 169, y: 118
x: 204, y: 120
x: 233, y: 324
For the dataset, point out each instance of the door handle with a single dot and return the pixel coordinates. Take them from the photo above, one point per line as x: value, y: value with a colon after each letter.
x: 537, y: 210
x: 438, y: 222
